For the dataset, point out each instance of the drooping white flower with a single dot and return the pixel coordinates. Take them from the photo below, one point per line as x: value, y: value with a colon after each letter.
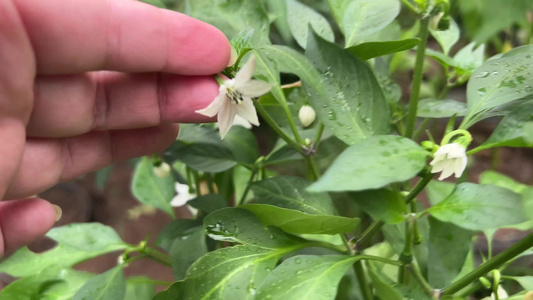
x: 162, y: 171
x: 183, y: 195
x: 235, y: 98
x: 306, y: 115
x: 240, y: 121
x: 449, y: 159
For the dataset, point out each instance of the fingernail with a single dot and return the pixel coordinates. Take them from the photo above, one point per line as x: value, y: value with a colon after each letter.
x: 59, y: 212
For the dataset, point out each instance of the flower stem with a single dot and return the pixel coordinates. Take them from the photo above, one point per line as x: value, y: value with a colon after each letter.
x: 264, y: 114
x: 417, y: 77
x: 490, y: 265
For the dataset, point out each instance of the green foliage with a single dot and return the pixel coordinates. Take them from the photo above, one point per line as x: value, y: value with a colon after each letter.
x: 433, y: 108
x: 110, y: 285
x: 343, y: 105
x: 301, y: 18
x: 370, y: 50
x: 75, y: 243
x: 373, y: 163
x: 382, y: 204
x: 150, y: 189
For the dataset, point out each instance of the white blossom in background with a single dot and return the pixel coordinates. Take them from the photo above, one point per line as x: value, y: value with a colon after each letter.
x: 183, y: 195
x: 306, y: 115
x: 235, y: 98
x: 449, y: 159
x: 162, y: 171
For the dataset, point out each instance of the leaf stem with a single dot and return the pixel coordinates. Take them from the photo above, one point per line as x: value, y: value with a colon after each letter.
x: 417, y: 274
x: 247, y: 189
x: 155, y: 255
x: 417, y: 77
x: 490, y: 265
x: 361, y: 279
x: 318, y: 136
x: 264, y: 114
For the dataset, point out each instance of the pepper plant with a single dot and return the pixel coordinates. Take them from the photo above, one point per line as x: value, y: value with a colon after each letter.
x: 342, y: 199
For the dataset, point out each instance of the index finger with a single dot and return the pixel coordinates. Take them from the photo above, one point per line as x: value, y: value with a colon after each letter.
x: 122, y: 35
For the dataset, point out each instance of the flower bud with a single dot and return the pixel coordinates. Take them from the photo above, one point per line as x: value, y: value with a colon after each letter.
x: 307, y: 115
x: 162, y: 171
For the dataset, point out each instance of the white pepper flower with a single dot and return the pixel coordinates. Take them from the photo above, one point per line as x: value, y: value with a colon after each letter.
x: 183, y: 195
x: 307, y: 115
x: 162, y: 171
x: 449, y: 159
x: 235, y: 98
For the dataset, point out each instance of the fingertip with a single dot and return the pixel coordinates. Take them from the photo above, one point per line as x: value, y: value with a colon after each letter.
x: 186, y: 95
x: 23, y: 221
x: 197, y: 48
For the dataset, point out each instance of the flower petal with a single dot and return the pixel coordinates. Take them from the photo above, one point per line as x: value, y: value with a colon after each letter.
x: 178, y: 201
x: 225, y: 118
x: 255, y: 88
x: 439, y: 166
x: 215, y: 106
x: 447, y: 172
x: 246, y: 72
x: 459, y: 165
x: 240, y: 121
x: 247, y: 110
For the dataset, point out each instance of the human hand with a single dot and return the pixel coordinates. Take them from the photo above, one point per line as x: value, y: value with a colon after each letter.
x: 61, y: 116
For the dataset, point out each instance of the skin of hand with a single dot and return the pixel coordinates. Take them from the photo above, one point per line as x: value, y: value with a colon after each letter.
x: 85, y: 83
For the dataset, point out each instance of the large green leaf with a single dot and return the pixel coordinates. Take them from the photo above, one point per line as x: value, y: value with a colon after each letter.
x: 500, y: 81
x: 498, y: 179
x: 285, y: 203
x: 208, y: 203
x: 306, y: 277
x: 83, y: 243
x: 444, y: 265
x: 238, y: 225
x: 352, y: 104
x: 291, y: 61
x: 373, y: 163
x: 232, y: 16
x: 110, y: 285
x: 433, y: 108
x: 437, y: 191
x: 382, y: 204
x: 479, y: 207
x: 300, y: 17
x: 52, y: 283
x: 365, y: 17
x: 242, y: 144
x: 186, y: 249
x: 139, y: 288
x: 370, y: 50
x: 175, y: 229
x: 150, y: 189
x: 515, y: 130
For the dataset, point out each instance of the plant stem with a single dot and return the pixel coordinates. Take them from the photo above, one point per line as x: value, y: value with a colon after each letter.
x: 469, y: 290
x: 415, y: 270
x: 264, y: 114
x: 417, y: 77
x: 312, y: 169
x: 490, y: 264
x: 410, y: 6
x: 318, y: 136
x: 247, y: 189
x: 361, y: 279
x: 406, y: 257
x: 156, y: 255
x: 419, y: 187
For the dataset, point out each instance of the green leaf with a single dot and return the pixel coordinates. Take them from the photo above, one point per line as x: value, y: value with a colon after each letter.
x: 498, y: 179
x: 439, y: 190
x: 300, y: 17
x: 352, y: 104
x: 444, y: 265
x: 176, y: 229
x: 384, y: 289
x: 370, y: 50
x: 479, y: 207
x: 207, y: 157
x: 373, y: 163
x: 365, y: 17
x: 306, y: 277
x: 525, y: 281
x: 186, y: 249
x: 150, y: 189
x: 515, y: 130
x: 291, y: 61
x: 433, y: 108
x: 468, y: 59
x: 139, y: 288
x: 242, y: 144
x: 232, y: 16
x: 208, y: 203
x: 82, y: 243
x: 294, y: 221
x: 52, y: 283
x: 382, y: 205
x: 238, y: 225
x: 110, y: 285
x: 447, y: 38
x: 285, y: 203
x: 499, y: 81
